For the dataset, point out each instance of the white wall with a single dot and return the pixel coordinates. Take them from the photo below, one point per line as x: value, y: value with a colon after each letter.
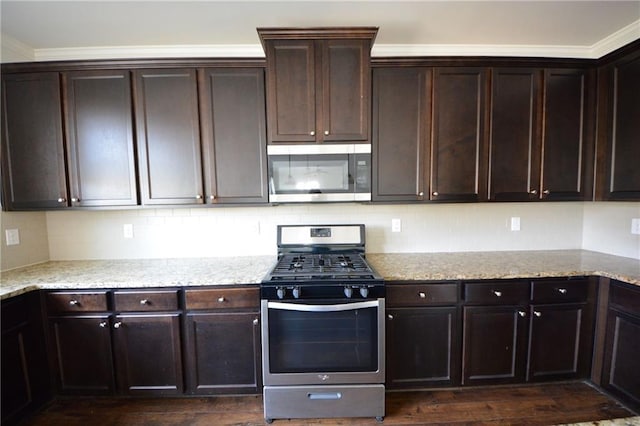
x: 252, y: 231
x: 607, y: 228
x: 33, y: 247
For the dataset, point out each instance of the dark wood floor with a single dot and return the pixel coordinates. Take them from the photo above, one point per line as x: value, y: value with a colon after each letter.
x: 519, y: 405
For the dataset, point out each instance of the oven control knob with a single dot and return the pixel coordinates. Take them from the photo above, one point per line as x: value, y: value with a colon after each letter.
x: 364, y: 292
x: 296, y: 292
x: 348, y: 291
x: 280, y: 293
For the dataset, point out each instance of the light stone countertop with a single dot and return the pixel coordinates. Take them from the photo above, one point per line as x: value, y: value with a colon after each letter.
x: 90, y: 274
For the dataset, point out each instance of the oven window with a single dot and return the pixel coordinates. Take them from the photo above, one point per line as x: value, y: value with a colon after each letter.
x: 303, y: 342
x: 310, y: 173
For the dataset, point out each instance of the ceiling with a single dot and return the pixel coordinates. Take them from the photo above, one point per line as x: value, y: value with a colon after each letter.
x: 51, y: 30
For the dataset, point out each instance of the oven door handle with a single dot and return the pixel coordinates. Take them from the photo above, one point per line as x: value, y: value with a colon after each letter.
x: 323, y: 308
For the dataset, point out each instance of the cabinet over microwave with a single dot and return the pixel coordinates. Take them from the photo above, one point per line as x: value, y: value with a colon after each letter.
x: 319, y: 173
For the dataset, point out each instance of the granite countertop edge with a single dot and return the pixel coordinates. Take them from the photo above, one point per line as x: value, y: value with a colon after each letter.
x: 250, y: 270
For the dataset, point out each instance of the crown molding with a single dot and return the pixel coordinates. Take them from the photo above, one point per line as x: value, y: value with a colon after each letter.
x: 616, y: 40
x: 498, y: 50
x: 13, y: 50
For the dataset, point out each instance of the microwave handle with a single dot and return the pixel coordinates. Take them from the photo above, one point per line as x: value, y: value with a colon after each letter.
x: 322, y: 308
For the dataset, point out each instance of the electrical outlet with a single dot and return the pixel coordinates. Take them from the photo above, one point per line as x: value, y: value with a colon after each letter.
x: 12, y: 236
x: 128, y: 230
x: 396, y: 225
x: 635, y: 226
x: 515, y: 223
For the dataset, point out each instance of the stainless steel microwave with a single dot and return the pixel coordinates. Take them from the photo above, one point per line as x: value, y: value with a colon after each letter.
x: 319, y: 173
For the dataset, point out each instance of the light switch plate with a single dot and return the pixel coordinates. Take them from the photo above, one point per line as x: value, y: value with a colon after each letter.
x: 515, y: 223
x: 12, y: 237
x: 635, y: 226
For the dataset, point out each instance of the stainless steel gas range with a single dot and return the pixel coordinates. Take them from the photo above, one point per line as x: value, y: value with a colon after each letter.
x: 322, y: 326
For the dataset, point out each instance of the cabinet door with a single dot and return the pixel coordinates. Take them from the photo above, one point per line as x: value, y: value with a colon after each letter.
x: 33, y: 168
x: 422, y: 347
x: 148, y: 354
x: 291, y: 90
x: 622, y: 87
x: 81, y: 351
x: 169, y: 148
x: 555, y: 340
x: 494, y: 345
x: 401, y: 120
x: 515, y: 135
x: 346, y: 82
x: 565, y: 134
x: 458, y: 146
x: 234, y: 134
x: 223, y: 353
x: 100, y: 135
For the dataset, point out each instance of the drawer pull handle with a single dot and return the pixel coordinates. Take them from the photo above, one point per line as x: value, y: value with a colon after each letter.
x: 221, y: 299
x: 103, y: 324
x: 522, y: 314
x: 74, y: 302
x: 497, y: 293
x: 390, y: 316
x: 562, y: 290
x: 256, y: 321
x: 422, y: 295
x: 536, y: 313
x: 145, y: 302
x: 117, y: 325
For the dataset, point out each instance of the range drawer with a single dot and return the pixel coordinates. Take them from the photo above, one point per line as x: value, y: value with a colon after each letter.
x: 76, y: 301
x: 496, y: 293
x: 155, y: 300
x: 222, y: 298
x: 559, y: 291
x: 421, y: 294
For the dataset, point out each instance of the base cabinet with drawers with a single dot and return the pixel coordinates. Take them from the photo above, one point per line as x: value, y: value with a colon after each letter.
x: 223, y: 341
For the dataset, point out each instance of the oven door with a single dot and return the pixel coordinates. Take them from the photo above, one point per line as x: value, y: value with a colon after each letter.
x: 323, y: 342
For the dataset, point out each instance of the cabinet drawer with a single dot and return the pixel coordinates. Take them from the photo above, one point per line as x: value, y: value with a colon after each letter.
x: 421, y: 294
x: 497, y: 293
x: 559, y: 291
x: 222, y: 298
x: 156, y: 300
x: 625, y: 297
x: 76, y: 301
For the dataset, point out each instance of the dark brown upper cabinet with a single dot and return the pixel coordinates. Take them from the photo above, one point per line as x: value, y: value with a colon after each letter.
x: 400, y: 134
x: 99, y: 128
x: 619, y: 134
x: 234, y: 134
x: 169, y: 146
x: 33, y: 167
x: 318, y: 84
x: 514, y: 168
x: 458, y: 143
x: 567, y: 135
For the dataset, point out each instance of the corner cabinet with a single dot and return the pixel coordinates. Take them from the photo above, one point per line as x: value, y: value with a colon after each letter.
x: 33, y: 166
x: 318, y: 84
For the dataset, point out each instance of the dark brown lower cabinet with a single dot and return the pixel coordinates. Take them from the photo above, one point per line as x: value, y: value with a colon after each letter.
x: 494, y: 344
x: 148, y: 353
x: 423, y: 347
x: 81, y: 354
x: 620, y: 374
x: 25, y: 374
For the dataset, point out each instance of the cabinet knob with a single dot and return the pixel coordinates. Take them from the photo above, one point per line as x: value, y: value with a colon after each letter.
x: 533, y: 191
x: 326, y: 133
x: 62, y: 200
x: 117, y: 325
x: 422, y: 295
x: 145, y: 302
x: 212, y: 197
x: 420, y: 194
x: 562, y: 290
x: 312, y: 133
x: 536, y: 313
x: 221, y: 299
x: 390, y: 316
x: 497, y: 293
x: 435, y: 193
x: 74, y: 302
x: 522, y: 314
x: 103, y: 324
x: 198, y: 197
x: 256, y: 321
x: 75, y: 200
x: 546, y: 192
